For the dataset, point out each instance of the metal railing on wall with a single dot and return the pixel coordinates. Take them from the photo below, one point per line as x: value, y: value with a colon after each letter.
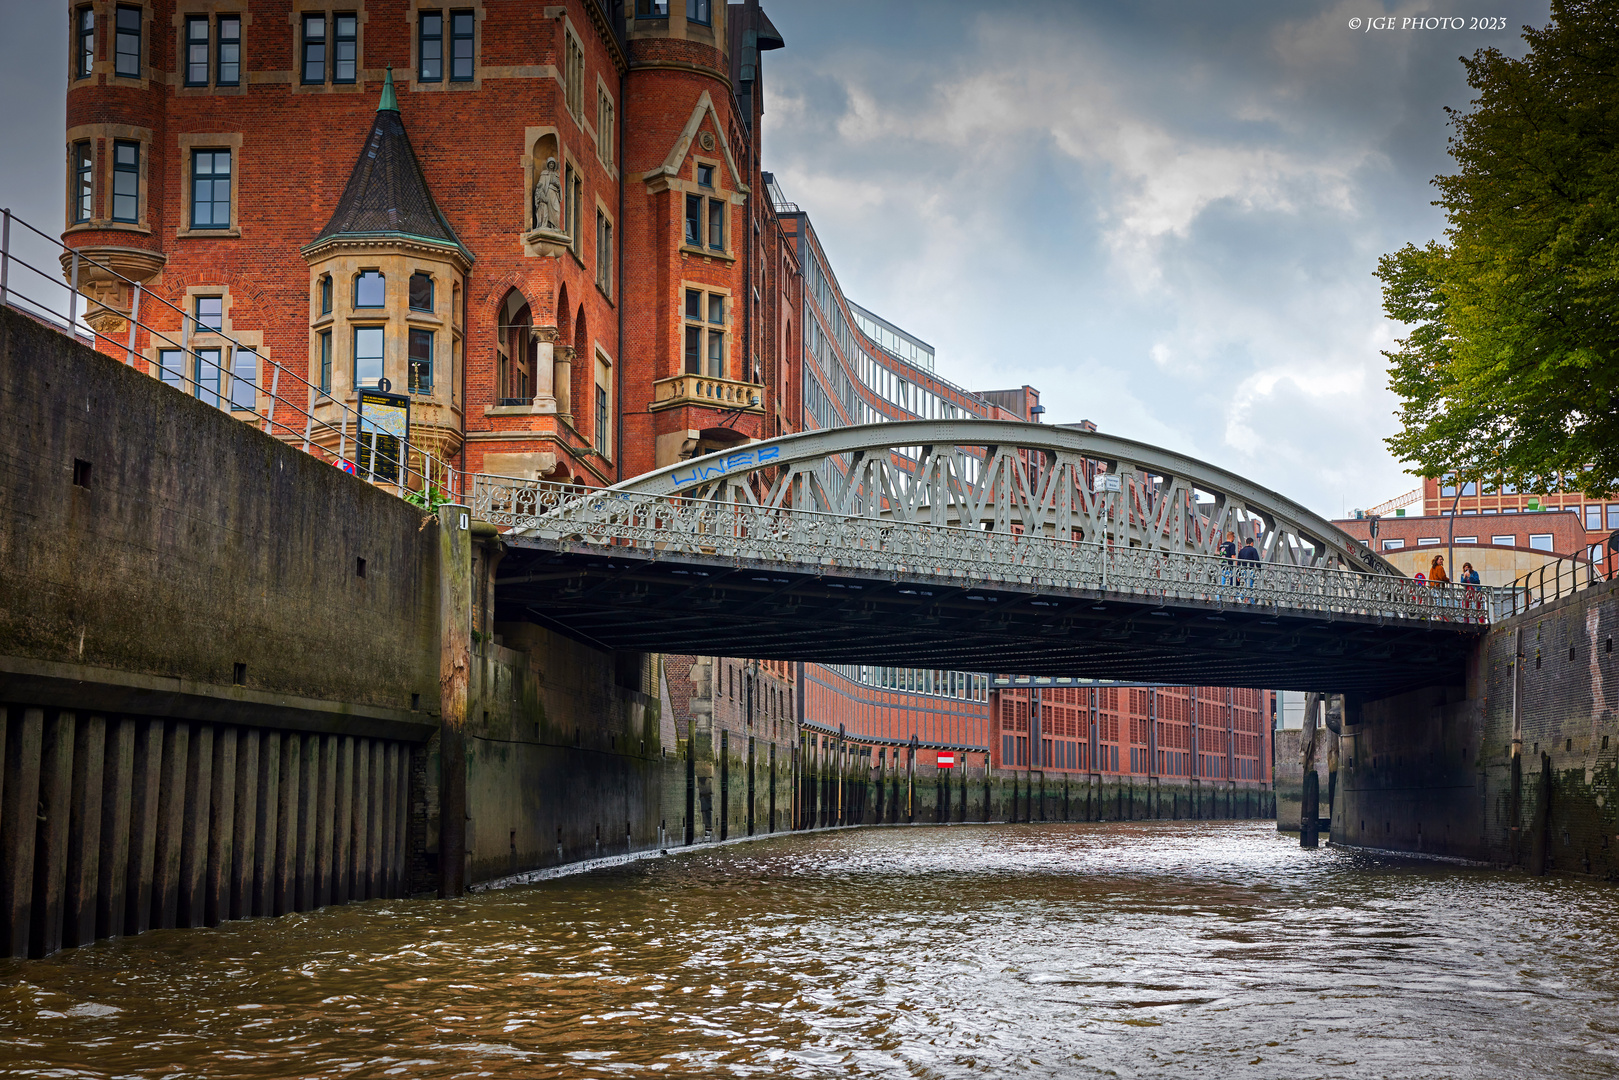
x: 1554, y: 580
x: 284, y: 406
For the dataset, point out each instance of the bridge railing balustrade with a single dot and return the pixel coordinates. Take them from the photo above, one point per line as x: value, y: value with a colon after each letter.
x: 888, y: 545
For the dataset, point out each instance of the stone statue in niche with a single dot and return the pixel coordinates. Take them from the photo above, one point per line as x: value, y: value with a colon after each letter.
x: 548, y: 197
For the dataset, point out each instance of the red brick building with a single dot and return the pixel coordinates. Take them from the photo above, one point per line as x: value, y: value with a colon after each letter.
x: 563, y: 294
x: 1068, y: 725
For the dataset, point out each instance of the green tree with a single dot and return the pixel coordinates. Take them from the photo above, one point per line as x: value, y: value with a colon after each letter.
x: 1512, y: 362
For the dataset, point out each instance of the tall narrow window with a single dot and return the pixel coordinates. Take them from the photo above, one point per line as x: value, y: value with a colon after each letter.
x: 460, y: 46
x: 604, y: 253
x: 694, y: 220
x: 127, y: 46
x: 84, y: 53
x: 421, y: 292
x: 716, y: 224
x: 367, y: 355
x: 370, y: 289
x: 244, y: 375
x: 228, y: 70
x: 716, y: 354
x: 171, y: 367
x: 573, y: 83
x: 576, y: 196
x: 601, y: 419
x: 83, y: 182
x: 699, y: 11
x: 421, y: 361
x: 126, y: 181
x: 430, y: 47
x: 326, y: 294
x: 196, y: 50
x: 210, y: 314
x: 694, y: 350
x: 716, y: 309
x: 210, y: 189
x: 207, y: 376
x: 604, y: 127
x: 326, y: 361
x: 345, y: 48
x: 313, y: 64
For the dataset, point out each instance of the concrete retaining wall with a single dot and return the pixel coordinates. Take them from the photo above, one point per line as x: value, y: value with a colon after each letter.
x: 1440, y: 770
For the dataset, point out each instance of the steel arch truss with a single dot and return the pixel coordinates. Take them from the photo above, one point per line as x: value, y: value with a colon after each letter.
x: 1010, y: 478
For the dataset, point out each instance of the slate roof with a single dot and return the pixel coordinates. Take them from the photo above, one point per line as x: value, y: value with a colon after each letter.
x: 387, y: 195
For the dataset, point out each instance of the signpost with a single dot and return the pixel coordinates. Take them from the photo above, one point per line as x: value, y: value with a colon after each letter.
x: 384, y: 428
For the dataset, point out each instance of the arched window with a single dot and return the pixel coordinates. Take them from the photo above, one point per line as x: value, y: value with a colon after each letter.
x: 421, y: 291
x: 370, y: 289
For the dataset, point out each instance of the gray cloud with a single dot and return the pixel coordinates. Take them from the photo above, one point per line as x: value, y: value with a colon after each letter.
x: 1164, y: 215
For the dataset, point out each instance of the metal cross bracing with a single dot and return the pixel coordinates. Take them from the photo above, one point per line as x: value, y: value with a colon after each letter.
x: 972, y: 544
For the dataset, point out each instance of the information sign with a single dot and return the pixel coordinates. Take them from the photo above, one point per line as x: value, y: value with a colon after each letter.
x: 384, y: 429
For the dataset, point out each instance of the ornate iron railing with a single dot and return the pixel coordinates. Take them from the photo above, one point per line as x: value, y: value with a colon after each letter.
x: 659, y: 527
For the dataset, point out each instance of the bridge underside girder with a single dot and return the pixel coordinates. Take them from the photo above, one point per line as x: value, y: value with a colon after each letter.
x: 726, y: 607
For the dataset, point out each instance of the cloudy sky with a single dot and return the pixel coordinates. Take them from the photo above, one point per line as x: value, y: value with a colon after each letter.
x: 1164, y: 215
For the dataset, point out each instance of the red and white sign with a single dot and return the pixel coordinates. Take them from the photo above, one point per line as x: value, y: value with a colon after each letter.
x: 947, y: 759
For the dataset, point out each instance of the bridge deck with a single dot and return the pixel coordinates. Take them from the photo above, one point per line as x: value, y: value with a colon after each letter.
x: 645, y: 599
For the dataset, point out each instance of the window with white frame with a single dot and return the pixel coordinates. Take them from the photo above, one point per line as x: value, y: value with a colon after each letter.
x: 1505, y: 540
x: 704, y: 318
x: 1540, y: 541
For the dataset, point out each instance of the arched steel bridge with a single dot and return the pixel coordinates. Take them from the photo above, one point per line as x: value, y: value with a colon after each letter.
x: 984, y: 545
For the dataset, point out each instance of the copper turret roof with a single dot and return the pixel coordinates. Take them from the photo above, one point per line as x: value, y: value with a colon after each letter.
x: 387, y: 194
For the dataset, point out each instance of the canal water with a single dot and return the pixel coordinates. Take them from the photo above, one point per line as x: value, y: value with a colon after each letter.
x: 1145, y: 949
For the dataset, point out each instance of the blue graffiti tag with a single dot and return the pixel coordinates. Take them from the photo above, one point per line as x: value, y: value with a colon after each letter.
x: 744, y: 460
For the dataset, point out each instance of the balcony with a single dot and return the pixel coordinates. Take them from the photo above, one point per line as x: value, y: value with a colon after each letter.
x: 702, y: 390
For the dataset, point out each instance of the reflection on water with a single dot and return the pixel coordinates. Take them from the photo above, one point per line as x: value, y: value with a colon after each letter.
x: 1045, y: 950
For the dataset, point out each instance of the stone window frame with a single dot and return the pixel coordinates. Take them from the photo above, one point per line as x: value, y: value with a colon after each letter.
x: 148, y: 32
x: 717, y: 193
x: 726, y: 327
x: 329, y: 8
x: 101, y: 137
x: 213, y: 9
x: 189, y: 142
x: 446, y: 84
x: 105, y: 64
x: 226, y: 339
x: 434, y: 321
x: 573, y: 204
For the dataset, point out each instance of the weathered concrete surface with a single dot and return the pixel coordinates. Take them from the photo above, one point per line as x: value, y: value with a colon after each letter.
x: 1434, y: 770
x: 196, y: 543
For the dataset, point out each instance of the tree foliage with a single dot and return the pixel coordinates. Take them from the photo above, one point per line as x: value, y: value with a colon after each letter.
x: 1511, y: 366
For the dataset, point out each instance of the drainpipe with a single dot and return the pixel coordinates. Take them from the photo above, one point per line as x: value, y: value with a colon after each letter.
x: 618, y: 370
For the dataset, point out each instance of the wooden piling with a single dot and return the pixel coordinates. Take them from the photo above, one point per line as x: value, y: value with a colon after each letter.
x: 286, y: 836
x: 84, y: 831
x: 245, y: 848
x: 192, y: 907
x: 19, y: 820
x: 143, y: 817
x: 324, y: 818
x: 50, y: 850
x: 118, y: 775
x: 308, y: 811
x: 343, y: 824
x: 358, y: 889
x: 220, y: 878
x: 269, y: 799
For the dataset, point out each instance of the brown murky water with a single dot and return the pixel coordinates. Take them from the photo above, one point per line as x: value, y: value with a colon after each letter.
x: 1056, y: 950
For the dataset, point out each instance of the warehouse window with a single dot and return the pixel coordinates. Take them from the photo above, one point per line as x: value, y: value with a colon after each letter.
x: 127, y: 43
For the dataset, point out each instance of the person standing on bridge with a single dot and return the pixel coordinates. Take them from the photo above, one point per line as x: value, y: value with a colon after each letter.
x: 1436, y: 572
x: 1228, y: 551
x: 1249, y: 554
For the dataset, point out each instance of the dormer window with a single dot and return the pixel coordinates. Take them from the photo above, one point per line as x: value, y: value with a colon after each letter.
x: 370, y: 289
